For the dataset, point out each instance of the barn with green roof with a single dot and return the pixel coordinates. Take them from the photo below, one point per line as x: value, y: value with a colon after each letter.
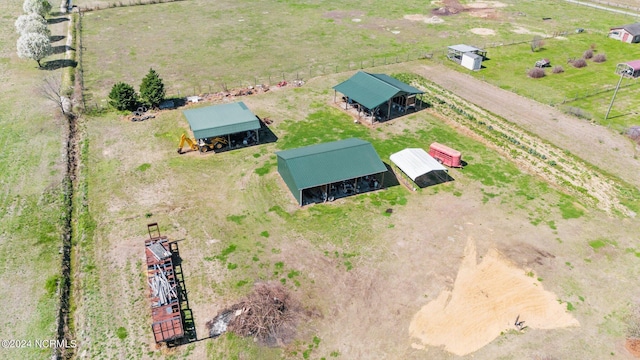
x: 224, y: 120
x: 378, y: 96
x: 327, y: 171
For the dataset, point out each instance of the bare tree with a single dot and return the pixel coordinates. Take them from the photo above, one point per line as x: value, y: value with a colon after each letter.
x: 536, y: 43
x: 51, y: 89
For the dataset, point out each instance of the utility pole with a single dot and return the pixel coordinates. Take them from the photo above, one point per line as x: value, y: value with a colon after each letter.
x: 614, y: 96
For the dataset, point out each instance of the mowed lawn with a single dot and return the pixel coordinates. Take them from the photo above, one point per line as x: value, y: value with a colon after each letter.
x: 31, y: 200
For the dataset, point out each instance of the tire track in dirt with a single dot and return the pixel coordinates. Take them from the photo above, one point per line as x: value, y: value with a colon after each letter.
x: 595, y: 144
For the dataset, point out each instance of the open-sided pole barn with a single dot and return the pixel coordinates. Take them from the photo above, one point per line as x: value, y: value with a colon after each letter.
x: 223, y: 120
x: 327, y: 171
x: 377, y: 94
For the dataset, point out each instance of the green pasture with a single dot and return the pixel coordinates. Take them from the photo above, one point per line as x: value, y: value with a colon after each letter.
x: 31, y: 200
x: 584, y: 91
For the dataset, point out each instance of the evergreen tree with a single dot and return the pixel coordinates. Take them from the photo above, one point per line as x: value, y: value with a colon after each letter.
x: 152, y: 89
x: 123, y: 97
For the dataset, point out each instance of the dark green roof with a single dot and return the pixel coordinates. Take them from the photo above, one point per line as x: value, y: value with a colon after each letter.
x: 327, y: 163
x: 218, y: 120
x: 373, y: 90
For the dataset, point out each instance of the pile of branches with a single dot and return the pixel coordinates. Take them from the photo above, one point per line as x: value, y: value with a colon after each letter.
x: 634, y: 133
x: 269, y: 314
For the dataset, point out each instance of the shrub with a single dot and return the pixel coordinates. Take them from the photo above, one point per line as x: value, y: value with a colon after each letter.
x: 600, y: 58
x: 123, y: 97
x: 587, y: 54
x: 579, y: 63
x: 536, y: 73
x: 557, y: 69
x: 578, y: 112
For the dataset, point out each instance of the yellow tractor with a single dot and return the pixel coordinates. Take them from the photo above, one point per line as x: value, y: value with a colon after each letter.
x: 202, y: 145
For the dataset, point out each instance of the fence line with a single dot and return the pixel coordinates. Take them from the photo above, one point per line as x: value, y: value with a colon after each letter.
x: 122, y: 3
x: 245, y: 83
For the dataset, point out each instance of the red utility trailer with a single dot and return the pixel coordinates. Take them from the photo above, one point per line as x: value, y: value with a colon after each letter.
x: 445, y: 155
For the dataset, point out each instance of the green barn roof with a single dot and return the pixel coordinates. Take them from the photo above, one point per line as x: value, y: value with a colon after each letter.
x: 218, y: 120
x: 373, y: 90
x: 327, y: 163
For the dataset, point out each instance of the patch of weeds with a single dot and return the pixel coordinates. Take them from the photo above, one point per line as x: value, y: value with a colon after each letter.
x: 600, y: 243
x: 570, y: 306
x: 255, y: 258
x: 279, y: 211
x: 256, y: 155
x: 264, y: 234
x: 242, y: 283
x: 540, y: 279
x: 283, y: 281
x: 457, y: 193
x: 348, y: 265
x: 559, y: 240
x: 292, y: 274
x: 51, y: 284
x: 264, y: 169
x: 121, y: 333
x: 232, y: 266
x: 225, y: 253
x: 530, y: 274
x: 569, y: 265
x: 581, y: 298
x: 391, y: 226
x: 568, y: 208
x: 552, y: 225
x: 143, y: 167
x: 236, y: 218
x: 148, y: 215
x: 275, y: 251
x: 279, y: 265
x: 335, y: 353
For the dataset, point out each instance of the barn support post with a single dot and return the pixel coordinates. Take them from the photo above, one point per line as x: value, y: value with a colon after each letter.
x: 229, y: 140
x: 388, y: 109
x: 258, y: 136
x: 335, y: 96
x: 382, y: 182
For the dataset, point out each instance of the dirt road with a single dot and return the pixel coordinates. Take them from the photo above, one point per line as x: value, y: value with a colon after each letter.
x: 611, y: 152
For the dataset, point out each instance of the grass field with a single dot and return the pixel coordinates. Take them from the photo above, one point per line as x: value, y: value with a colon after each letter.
x: 241, y: 225
x: 362, y: 270
x: 32, y: 202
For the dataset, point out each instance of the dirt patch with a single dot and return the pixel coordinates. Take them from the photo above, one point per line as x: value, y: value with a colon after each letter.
x: 483, y: 31
x: 487, y: 299
x: 424, y: 18
x: 482, y: 9
x: 633, y: 346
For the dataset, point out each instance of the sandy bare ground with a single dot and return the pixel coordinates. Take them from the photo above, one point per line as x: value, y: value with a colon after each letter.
x: 486, y: 300
x: 614, y: 153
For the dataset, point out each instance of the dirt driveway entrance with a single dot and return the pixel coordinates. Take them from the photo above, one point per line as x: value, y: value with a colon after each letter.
x: 614, y: 153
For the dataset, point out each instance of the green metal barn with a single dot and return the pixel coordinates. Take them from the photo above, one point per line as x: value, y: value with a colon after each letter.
x: 332, y: 170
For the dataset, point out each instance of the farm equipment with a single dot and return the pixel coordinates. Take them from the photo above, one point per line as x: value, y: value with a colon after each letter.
x: 202, y: 145
x: 543, y: 63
